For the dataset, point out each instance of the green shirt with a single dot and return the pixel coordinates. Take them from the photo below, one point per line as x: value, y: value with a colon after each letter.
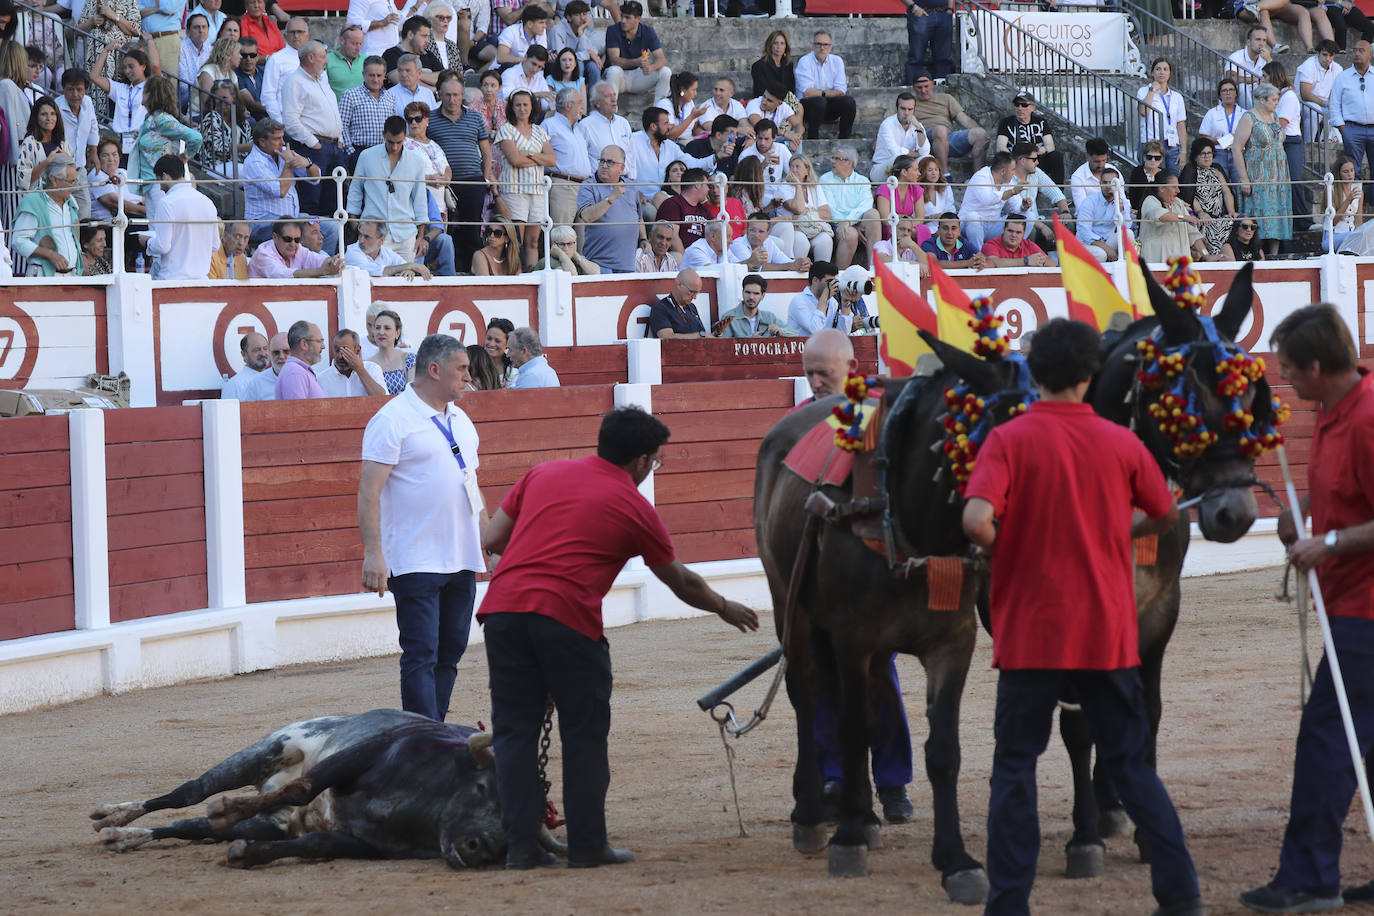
x: 342, y: 75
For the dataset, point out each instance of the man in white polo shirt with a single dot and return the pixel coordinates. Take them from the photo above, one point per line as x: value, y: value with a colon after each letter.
x: 348, y: 375
x: 421, y: 516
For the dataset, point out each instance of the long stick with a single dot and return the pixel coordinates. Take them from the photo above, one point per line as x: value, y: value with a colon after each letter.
x: 1341, y: 699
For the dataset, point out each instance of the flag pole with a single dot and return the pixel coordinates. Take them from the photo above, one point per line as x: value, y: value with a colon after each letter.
x: 1337, y: 680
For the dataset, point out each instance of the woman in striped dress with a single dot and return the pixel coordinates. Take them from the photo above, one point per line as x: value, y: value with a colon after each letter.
x: 527, y: 152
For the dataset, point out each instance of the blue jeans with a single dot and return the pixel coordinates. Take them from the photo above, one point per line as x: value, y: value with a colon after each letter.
x: 592, y: 73
x: 930, y: 45
x: 433, y: 614
x: 1114, y: 703
x: 1223, y: 159
x: 889, y: 741
x: 1323, y: 777
x: 439, y: 256
x: 975, y: 233
x: 1358, y: 142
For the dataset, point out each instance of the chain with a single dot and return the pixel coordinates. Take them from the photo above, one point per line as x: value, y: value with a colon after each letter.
x: 544, y: 740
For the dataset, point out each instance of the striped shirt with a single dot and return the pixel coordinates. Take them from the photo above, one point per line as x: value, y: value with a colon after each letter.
x: 530, y: 179
x: 459, y: 138
x: 363, y: 117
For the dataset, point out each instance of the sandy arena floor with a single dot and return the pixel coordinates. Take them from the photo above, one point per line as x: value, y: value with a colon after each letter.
x: 1230, y: 715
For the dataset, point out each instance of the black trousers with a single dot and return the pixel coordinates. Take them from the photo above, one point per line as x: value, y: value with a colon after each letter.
x: 819, y: 109
x: 467, y: 234
x: 530, y: 658
x: 1342, y: 22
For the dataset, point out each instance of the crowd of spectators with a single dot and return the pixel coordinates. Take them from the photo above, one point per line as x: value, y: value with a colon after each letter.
x: 476, y: 136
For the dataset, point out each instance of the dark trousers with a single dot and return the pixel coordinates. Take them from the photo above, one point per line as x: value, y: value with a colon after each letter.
x: 1323, y: 777
x: 930, y: 45
x: 1114, y: 703
x: 532, y: 657
x: 1358, y: 143
x: 433, y: 614
x: 467, y: 233
x: 1296, y: 151
x: 889, y: 742
x: 820, y: 109
x: 321, y: 199
x: 1355, y: 19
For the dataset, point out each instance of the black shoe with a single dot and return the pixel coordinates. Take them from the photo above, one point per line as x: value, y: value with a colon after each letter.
x: 897, y: 807
x: 1361, y: 893
x: 1192, y: 907
x: 1275, y: 898
x: 525, y: 859
x: 607, y: 856
x: 830, y: 801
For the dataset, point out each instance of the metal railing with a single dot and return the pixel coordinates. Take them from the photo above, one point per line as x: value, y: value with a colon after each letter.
x: 1079, y: 102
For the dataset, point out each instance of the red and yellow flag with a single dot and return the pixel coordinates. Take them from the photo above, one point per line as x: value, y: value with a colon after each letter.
x: 953, y: 310
x: 901, y: 312
x: 1092, y: 296
x: 1135, y: 275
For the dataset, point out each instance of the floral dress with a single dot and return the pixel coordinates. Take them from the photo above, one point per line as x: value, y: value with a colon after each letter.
x: 105, y: 33
x: 1270, y: 199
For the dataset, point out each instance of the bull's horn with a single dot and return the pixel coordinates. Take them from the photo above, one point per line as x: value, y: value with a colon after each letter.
x: 479, y: 745
x: 551, y: 842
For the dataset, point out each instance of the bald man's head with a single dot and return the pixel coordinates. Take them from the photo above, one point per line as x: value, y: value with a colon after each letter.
x: 827, y: 361
x: 280, y: 350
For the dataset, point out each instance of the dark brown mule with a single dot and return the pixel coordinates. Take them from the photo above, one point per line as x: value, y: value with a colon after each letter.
x: 852, y: 613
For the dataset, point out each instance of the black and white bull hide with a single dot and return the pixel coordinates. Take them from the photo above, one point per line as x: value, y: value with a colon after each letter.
x: 384, y: 784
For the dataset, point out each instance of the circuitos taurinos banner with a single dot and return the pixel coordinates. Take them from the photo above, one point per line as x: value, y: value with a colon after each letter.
x: 1015, y: 42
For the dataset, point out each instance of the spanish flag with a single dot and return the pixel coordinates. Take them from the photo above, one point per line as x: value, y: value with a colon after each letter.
x: 1091, y: 294
x: 953, y: 309
x: 901, y: 312
x: 1135, y: 275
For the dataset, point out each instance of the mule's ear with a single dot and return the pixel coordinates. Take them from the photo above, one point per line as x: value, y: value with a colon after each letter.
x: 1178, y: 323
x: 975, y: 370
x: 1239, y: 299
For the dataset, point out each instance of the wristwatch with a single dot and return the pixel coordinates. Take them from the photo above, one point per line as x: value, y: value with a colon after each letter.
x: 1332, y: 538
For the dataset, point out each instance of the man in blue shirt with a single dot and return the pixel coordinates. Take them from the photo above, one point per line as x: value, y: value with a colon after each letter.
x: 948, y: 245
x: 528, y: 356
x: 805, y: 314
x: 389, y: 186
x: 162, y: 21
x: 266, y: 170
x: 1351, y: 107
x: 635, y: 61
x: 1097, y: 219
x: 609, y: 208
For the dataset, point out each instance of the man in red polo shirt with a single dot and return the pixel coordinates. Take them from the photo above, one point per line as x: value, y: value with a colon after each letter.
x: 1317, y: 356
x: 565, y: 530
x: 1052, y: 491
x: 1013, y: 249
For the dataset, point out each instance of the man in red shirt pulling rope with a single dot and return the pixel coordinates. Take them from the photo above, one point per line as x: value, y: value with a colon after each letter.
x: 1052, y: 490
x: 564, y: 532
x: 1317, y: 356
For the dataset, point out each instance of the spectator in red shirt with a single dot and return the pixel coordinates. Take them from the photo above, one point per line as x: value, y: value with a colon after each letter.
x: 1053, y: 491
x: 1013, y: 249
x: 258, y: 25
x: 688, y: 210
x: 565, y: 530
x: 1317, y: 356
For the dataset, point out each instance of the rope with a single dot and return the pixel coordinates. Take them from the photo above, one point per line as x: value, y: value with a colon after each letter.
x: 730, y: 763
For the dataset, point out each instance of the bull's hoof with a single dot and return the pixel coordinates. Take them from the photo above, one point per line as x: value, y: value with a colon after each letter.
x: 809, y: 840
x: 124, y: 839
x: 873, y: 836
x: 968, y: 887
x: 236, y: 856
x: 848, y: 861
x: 1112, y: 822
x: 116, y: 815
x: 1085, y: 860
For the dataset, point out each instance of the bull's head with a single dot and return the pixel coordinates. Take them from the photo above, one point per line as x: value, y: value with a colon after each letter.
x: 472, y: 835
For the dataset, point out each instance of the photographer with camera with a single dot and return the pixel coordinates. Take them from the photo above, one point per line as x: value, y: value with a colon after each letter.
x: 816, y: 306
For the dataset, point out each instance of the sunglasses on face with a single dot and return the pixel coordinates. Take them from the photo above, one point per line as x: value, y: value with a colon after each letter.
x: 1153, y: 158
x: 1249, y: 227
x: 1024, y: 105
x: 497, y: 233
x: 415, y: 119
x: 290, y: 239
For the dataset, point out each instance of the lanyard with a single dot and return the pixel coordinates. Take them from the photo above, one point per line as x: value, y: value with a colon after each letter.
x: 1230, y: 119
x: 453, y: 445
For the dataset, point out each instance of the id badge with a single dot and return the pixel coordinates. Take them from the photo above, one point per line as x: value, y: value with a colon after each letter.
x: 474, y: 493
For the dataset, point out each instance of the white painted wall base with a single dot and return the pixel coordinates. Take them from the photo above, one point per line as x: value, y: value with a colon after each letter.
x: 63, y: 667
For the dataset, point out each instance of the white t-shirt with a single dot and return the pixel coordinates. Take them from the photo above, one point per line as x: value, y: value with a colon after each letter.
x: 779, y: 115
x: 1171, y: 107
x: 354, y: 256
x: 776, y: 186
x: 1219, y: 125
x: 335, y: 385
x: 1245, y: 66
x: 740, y: 251
x: 427, y: 525
x: 1290, y: 110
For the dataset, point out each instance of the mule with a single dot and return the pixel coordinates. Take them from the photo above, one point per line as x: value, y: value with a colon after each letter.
x: 852, y: 613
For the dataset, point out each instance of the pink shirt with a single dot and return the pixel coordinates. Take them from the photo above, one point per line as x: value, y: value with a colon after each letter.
x: 268, y: 262
x: 297, y: 380
x: 905, y: 203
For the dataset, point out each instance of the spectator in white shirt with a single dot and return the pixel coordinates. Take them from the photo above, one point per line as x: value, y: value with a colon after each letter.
x: 381, y: 22
x: 824, y: 89
x: 775, y: 159
x: 710, y: 251
x: 988, y: 189
x: 282, y: 64
x: 515, y: 40
x: 81, y: 129
x: 1219, y: 125
x: 529, y: 76
x: 900, y: 134
x: 770, y: 106
x: 311, y: 112
x: 255, y: 381
x: 1315, y: 77
x: 573, y: 165
x: 758, y: 250
x: 851, y: 206
x: 1163, y: 114
x: 1247, y: 63
x: 723, y: 102
x: 348, y: 375
x: 603, y: 127
x: 184, y: 225
x: 408, y: 87
x: 370, y: 253
x: 651, y: 152
x: 1087, y: 178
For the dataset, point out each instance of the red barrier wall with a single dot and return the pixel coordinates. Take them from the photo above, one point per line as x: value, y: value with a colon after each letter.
x: 705, y: 489
x: 155, y: 491
x: 733, y: 359
x: 35, y: 527
x: 604, y: 365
